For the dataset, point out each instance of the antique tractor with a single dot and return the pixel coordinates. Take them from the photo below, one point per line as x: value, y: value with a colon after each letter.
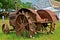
x: 30, y: 20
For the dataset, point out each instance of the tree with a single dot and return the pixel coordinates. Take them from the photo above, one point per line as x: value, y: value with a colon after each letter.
x: 1, y: 5
x: 7, y: 4
x: 25, y: 5
x: 10, y: 4
x: 58, y: 0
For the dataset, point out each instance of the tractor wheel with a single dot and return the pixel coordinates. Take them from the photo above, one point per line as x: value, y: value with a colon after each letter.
x: 5, y: 28
x: 24, y: 21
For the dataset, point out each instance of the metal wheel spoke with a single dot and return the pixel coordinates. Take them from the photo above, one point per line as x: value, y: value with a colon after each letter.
x: 26, y: 24
x: 20, y: 20
x: 23, y: 21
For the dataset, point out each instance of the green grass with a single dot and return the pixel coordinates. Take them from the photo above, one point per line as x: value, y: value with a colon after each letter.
x: 41, y: 36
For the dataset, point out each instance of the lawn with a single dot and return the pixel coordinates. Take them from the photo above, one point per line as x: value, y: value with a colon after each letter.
x: 41, y: 36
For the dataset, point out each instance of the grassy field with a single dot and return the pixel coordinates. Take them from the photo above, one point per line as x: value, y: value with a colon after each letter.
x: 41, y: 36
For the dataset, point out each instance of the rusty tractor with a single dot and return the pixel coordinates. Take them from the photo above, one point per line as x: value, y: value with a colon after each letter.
x: 31, y: 20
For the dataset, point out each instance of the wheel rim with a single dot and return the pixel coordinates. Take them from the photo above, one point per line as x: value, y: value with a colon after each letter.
x: 22, y: 20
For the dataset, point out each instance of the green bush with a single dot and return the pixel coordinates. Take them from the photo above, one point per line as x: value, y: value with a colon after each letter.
x: 58, y: 0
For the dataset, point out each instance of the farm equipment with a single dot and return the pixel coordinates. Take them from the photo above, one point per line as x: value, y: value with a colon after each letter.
x: 51, y: 16
x: 30, y: 20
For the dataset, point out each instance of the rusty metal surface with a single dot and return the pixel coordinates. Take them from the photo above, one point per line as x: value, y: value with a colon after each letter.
x: 15, y: 22
x: 33, y: 12
x: 12, y: 18
x: 51, y: 16
x: 31, y: 16
x: 31, y: 20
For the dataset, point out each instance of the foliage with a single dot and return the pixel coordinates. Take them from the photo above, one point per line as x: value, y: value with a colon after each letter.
x: 1, y: 5
x: 10, y: 4
x: 58, y: 0
x: 25, y: 5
